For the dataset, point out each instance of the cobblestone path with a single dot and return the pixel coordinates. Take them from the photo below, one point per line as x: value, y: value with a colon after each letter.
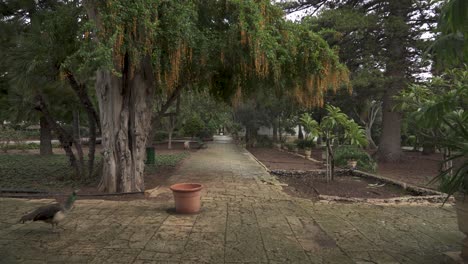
x: 246, y: 218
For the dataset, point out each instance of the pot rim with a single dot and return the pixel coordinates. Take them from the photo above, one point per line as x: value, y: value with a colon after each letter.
x: 186, y: 187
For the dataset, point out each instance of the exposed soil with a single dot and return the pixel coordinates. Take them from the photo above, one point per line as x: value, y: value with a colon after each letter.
x: 311, y: 186
x: 279, y: 160
x: 91, y: 192
x: 415, y: 168
x: 152, y: 180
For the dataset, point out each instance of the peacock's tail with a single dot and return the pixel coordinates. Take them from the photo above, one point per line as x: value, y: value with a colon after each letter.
x: 27, y: 217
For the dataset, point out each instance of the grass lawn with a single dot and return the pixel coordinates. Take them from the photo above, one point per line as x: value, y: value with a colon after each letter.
x: 52, y: 173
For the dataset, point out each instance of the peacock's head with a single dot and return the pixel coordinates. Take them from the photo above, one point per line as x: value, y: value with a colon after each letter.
x: 72, y: 197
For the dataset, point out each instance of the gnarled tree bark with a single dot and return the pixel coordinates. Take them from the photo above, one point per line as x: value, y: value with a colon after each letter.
x: 125, y: 105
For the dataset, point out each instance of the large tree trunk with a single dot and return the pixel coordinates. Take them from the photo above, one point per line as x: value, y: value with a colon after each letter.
x: 45, y: 137
x: 125, y: 111
x: 390, y: 141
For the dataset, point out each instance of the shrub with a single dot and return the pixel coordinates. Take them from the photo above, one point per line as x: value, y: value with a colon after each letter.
x: 364, y: 160
x: 9, y: 136
x: 305, y: 143
x: 193, y: 126
x: 205, y: 134
x: 160, y: 136
x: 290, y: 146
x: 264, y: 141
x: 235, y: 129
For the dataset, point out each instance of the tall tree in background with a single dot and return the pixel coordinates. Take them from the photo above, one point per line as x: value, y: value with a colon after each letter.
x: 46, y: 35
x: 230, y: 46
x: 380, y: 42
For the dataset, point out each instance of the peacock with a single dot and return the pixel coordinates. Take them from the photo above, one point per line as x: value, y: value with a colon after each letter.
x: 52, y: 213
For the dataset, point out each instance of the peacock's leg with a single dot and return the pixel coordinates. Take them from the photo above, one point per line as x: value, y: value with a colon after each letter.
x: 54, y: 227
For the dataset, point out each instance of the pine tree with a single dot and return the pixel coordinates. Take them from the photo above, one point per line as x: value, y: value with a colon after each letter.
x: 380, y: 42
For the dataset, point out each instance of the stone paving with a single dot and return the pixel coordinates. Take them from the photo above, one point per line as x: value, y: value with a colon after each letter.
x: 246, y: 218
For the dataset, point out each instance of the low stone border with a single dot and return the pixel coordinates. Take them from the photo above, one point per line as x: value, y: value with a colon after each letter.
x: 299, y: 155
x: 398, y: 200
x: 11, y: 193
x: 404, y: 185
x: 425, y: 195
x: 271, y: 180
x: 257, y: 160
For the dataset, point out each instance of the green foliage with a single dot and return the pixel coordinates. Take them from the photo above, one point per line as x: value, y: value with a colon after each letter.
x: 52, y: 172
x: 441, y: 108
x: 354, y: 134
x: 234, y: 128
x: 305, y: 143
x: 411, y: 140
x: 202, y: 110
x: 451, y: 47
x: 36, y: 172
x: 169, y: 160
x: 160, y: 136
x: 263, y: 141
x: 347, y: 152
x: 7, y: 137
x: 193, y: 126
x: 310, y: 126
x: 290, y: 146
x: 336, y: 126
x: 29, y: 146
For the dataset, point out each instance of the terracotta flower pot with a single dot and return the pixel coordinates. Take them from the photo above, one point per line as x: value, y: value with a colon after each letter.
x: 461, y: 203
x: 187, y: 197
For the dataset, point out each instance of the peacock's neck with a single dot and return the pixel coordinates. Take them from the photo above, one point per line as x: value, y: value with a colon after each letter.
x: 69, y: 203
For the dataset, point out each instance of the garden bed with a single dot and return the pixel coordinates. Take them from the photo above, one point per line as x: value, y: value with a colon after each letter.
x: 29, y: 175
x: 280, y: 160
x: 415, y: 168
x: 352, y: 186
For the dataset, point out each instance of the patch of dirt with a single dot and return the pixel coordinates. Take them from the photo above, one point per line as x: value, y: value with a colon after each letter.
x: 279, y: 160
x: 414, y: 168
x: 152, y: 180
x: 311, y: 186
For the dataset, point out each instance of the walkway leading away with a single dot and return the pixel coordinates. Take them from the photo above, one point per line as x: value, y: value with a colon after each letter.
x: 246, y: 218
